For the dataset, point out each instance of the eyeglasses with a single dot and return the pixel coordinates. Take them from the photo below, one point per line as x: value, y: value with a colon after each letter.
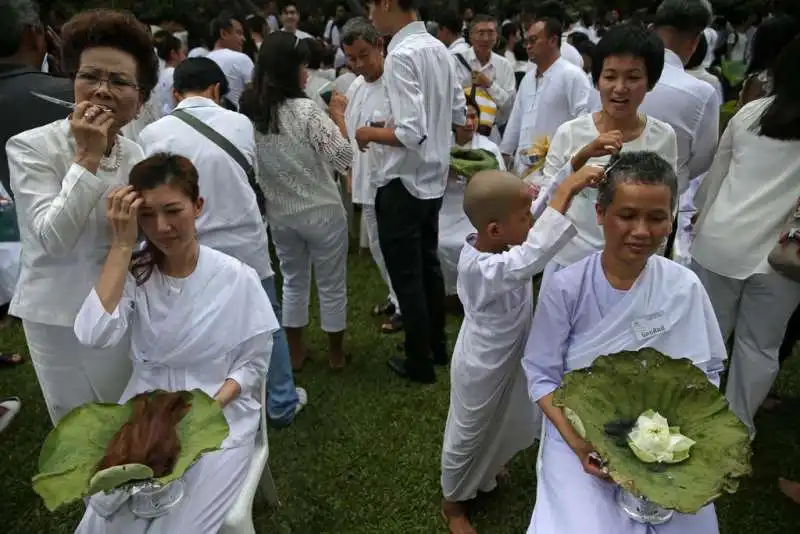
x: 116, y: 82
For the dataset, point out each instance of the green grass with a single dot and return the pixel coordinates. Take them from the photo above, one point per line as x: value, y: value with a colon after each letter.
x: 363, y: 458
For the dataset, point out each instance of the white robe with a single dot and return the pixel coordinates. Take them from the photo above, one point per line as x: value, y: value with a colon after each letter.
x: 490, y: 414
x: 190, y: 333
x: 454, y: 226
x: 580, y: 316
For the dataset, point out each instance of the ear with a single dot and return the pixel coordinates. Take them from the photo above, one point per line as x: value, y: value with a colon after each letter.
x: 176, y: 95
x: 601, y: 215
x: 198, y: 206
x: 494, y: 230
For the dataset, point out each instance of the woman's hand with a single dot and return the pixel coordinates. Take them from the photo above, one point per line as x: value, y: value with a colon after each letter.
x: 590, y: 460
x: 122, y: 210
x: 90, y: 124
x: 337, y: 104
x: 606, y: 144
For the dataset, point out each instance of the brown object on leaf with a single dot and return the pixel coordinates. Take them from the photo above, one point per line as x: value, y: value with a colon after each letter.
x: 150, y: 436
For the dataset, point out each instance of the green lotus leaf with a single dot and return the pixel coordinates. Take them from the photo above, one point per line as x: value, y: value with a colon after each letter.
x: 622, y: 386
x: 73, y: 449
x: 467, y: 163
x: 118, y: 475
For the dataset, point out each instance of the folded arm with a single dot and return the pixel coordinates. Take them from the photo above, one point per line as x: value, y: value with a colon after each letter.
x: 56, y: 208
x: 248, y: 369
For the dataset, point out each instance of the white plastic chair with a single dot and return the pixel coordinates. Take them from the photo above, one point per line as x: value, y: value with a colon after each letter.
x: 259, y: 478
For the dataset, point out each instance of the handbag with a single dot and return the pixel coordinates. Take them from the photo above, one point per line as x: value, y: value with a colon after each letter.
x: 215, y: 137
x: 785, y: 255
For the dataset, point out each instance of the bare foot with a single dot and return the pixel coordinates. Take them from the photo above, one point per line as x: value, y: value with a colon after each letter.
x: 337, y: 360
x: 299, y: 360
x: 790, y: 489
x: 455, y: 515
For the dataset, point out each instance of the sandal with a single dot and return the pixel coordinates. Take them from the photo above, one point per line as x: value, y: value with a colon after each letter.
x: 8, y: 359
x: 387, y: 308
x: 393, y: 325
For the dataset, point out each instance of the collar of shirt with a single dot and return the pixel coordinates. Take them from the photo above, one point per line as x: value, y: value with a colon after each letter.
x: 15, y: 68
x: 412, y: 28
x: 555, y: 67
x: 458, y: 42
x: 672, y: 59
x: 475, y: 63
x: 196, y: 102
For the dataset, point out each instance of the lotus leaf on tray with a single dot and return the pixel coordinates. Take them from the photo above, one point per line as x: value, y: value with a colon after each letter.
x: 618, y: 388
x: 73, y: 449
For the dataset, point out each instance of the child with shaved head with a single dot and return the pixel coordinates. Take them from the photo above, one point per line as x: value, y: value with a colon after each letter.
x: 491, y: 417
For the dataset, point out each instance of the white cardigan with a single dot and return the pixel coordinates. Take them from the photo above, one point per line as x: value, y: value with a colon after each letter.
x: 63, y: 228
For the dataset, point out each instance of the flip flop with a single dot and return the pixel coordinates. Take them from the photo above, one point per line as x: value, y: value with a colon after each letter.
x: 10, y: 359
x: 393, y: 325
x: 12, y: 406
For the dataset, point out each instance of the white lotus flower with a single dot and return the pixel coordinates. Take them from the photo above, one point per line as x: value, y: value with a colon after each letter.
x: 652, y: 440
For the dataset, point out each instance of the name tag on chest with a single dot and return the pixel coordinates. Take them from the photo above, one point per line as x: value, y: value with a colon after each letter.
x: 649, y: 326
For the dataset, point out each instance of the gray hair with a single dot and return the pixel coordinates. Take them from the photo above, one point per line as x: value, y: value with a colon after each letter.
x: 359, y: 28
x: 15, y: 17
x: 481, y: 19
x: 637, y: 168
x: 687, y: 16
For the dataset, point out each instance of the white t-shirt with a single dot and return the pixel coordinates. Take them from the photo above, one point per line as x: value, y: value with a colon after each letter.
x: 238, y: 69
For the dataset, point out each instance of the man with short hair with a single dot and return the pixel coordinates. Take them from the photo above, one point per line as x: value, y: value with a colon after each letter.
x: 290, y: 18
x: 425, y: 100
x: 450, y: 31
x: 228, y: 35
x: 230, y: 222
x: 487, y: 77
x: 689, y: 105
x: 554, y: 92
x: 553, y: 9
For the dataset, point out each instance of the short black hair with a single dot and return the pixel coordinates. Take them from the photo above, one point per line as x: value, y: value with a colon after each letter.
x: 641, y: 167
x: 552, y: 9
x: 407, y: 5
x: 699, y: 54
x: 449, y: 19
x: 509, y: 29
x: 481, y: 19
x: 198, y: 74
x: 690, y: 17
x: 631, y: 39
x: 553, y: 27
x: 316, y: 51
x: 257, y: 24
x: 578, y: 38
x: 223, y: 21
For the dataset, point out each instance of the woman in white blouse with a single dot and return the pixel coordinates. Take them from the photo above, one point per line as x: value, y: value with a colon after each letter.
x: 60, y: 175
x: 198, y: 319
x: 298, y: 148
x: 743, y: 202
x: 627, y: 64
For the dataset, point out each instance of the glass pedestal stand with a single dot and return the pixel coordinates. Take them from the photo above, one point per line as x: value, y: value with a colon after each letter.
x: 642, y: 510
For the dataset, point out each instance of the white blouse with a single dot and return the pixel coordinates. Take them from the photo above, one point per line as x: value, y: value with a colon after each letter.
x: 63, y: 228
x: 657, y: 137
x: 758, y: 184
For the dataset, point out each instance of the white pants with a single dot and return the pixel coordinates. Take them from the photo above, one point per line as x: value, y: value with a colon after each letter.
x: 71, y: 374
x: 211, y: 486
x: 756, y: 310
x: 325, y: 247
x: 371, y: 223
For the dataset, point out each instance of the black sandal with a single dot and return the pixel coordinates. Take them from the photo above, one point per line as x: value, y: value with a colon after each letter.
x: 8, y: 359
x: 387, y: 308
x: 393, y: 325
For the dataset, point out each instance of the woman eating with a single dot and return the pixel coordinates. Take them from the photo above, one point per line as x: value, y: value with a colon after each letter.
x: 198, y: 319
x: 627, y: 64
x: 60, y: 175
x: 588, y: 309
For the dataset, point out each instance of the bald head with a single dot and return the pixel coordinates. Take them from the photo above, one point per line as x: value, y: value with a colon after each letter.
x: 490, y: 196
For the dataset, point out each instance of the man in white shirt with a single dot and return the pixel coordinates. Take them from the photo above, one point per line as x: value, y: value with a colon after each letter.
x: 556, y: 10
x: 489, y: 77
x: 290, y: 18
x: 228, y: 34
x: 689, y: 105
x: 552, y: 93
x: 230, y: 221
x: 450, y: 31
x: 332, y: 33
x: 425, y: 101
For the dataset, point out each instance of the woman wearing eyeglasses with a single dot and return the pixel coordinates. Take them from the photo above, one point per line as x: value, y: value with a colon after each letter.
x: 60, y: 175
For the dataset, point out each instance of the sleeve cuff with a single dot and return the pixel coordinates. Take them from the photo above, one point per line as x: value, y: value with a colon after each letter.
x: 78, y: 174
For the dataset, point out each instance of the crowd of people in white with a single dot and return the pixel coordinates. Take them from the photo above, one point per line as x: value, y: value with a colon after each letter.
x: 148, y: 191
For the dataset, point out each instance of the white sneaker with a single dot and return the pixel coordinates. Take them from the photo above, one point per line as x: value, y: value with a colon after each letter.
x: 302, y: 400
x: 12, y: 406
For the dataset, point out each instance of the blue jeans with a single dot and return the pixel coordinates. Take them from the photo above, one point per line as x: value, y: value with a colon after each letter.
x: 281, y: 395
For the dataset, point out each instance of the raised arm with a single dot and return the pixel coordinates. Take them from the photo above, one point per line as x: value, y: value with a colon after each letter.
x: 327, y: 139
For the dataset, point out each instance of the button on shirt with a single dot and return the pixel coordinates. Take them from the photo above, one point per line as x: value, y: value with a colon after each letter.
x: 544, y: 103
x: 499, y: 71
x: 230, y: 221
x: 425, y: 100
x: 691, y: 107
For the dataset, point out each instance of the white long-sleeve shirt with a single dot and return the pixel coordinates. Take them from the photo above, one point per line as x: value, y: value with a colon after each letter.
x: 425, y: 100
x: 499, y: 71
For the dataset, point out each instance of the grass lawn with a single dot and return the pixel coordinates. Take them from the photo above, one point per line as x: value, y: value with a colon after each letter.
x: 363, y: 458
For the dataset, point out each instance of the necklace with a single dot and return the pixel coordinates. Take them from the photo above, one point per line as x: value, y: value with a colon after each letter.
x: 112, y: 162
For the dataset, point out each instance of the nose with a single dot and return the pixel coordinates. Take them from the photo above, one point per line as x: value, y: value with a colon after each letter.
x: 102, y: 90
x: 162, y: 225
x: 640, y: 229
